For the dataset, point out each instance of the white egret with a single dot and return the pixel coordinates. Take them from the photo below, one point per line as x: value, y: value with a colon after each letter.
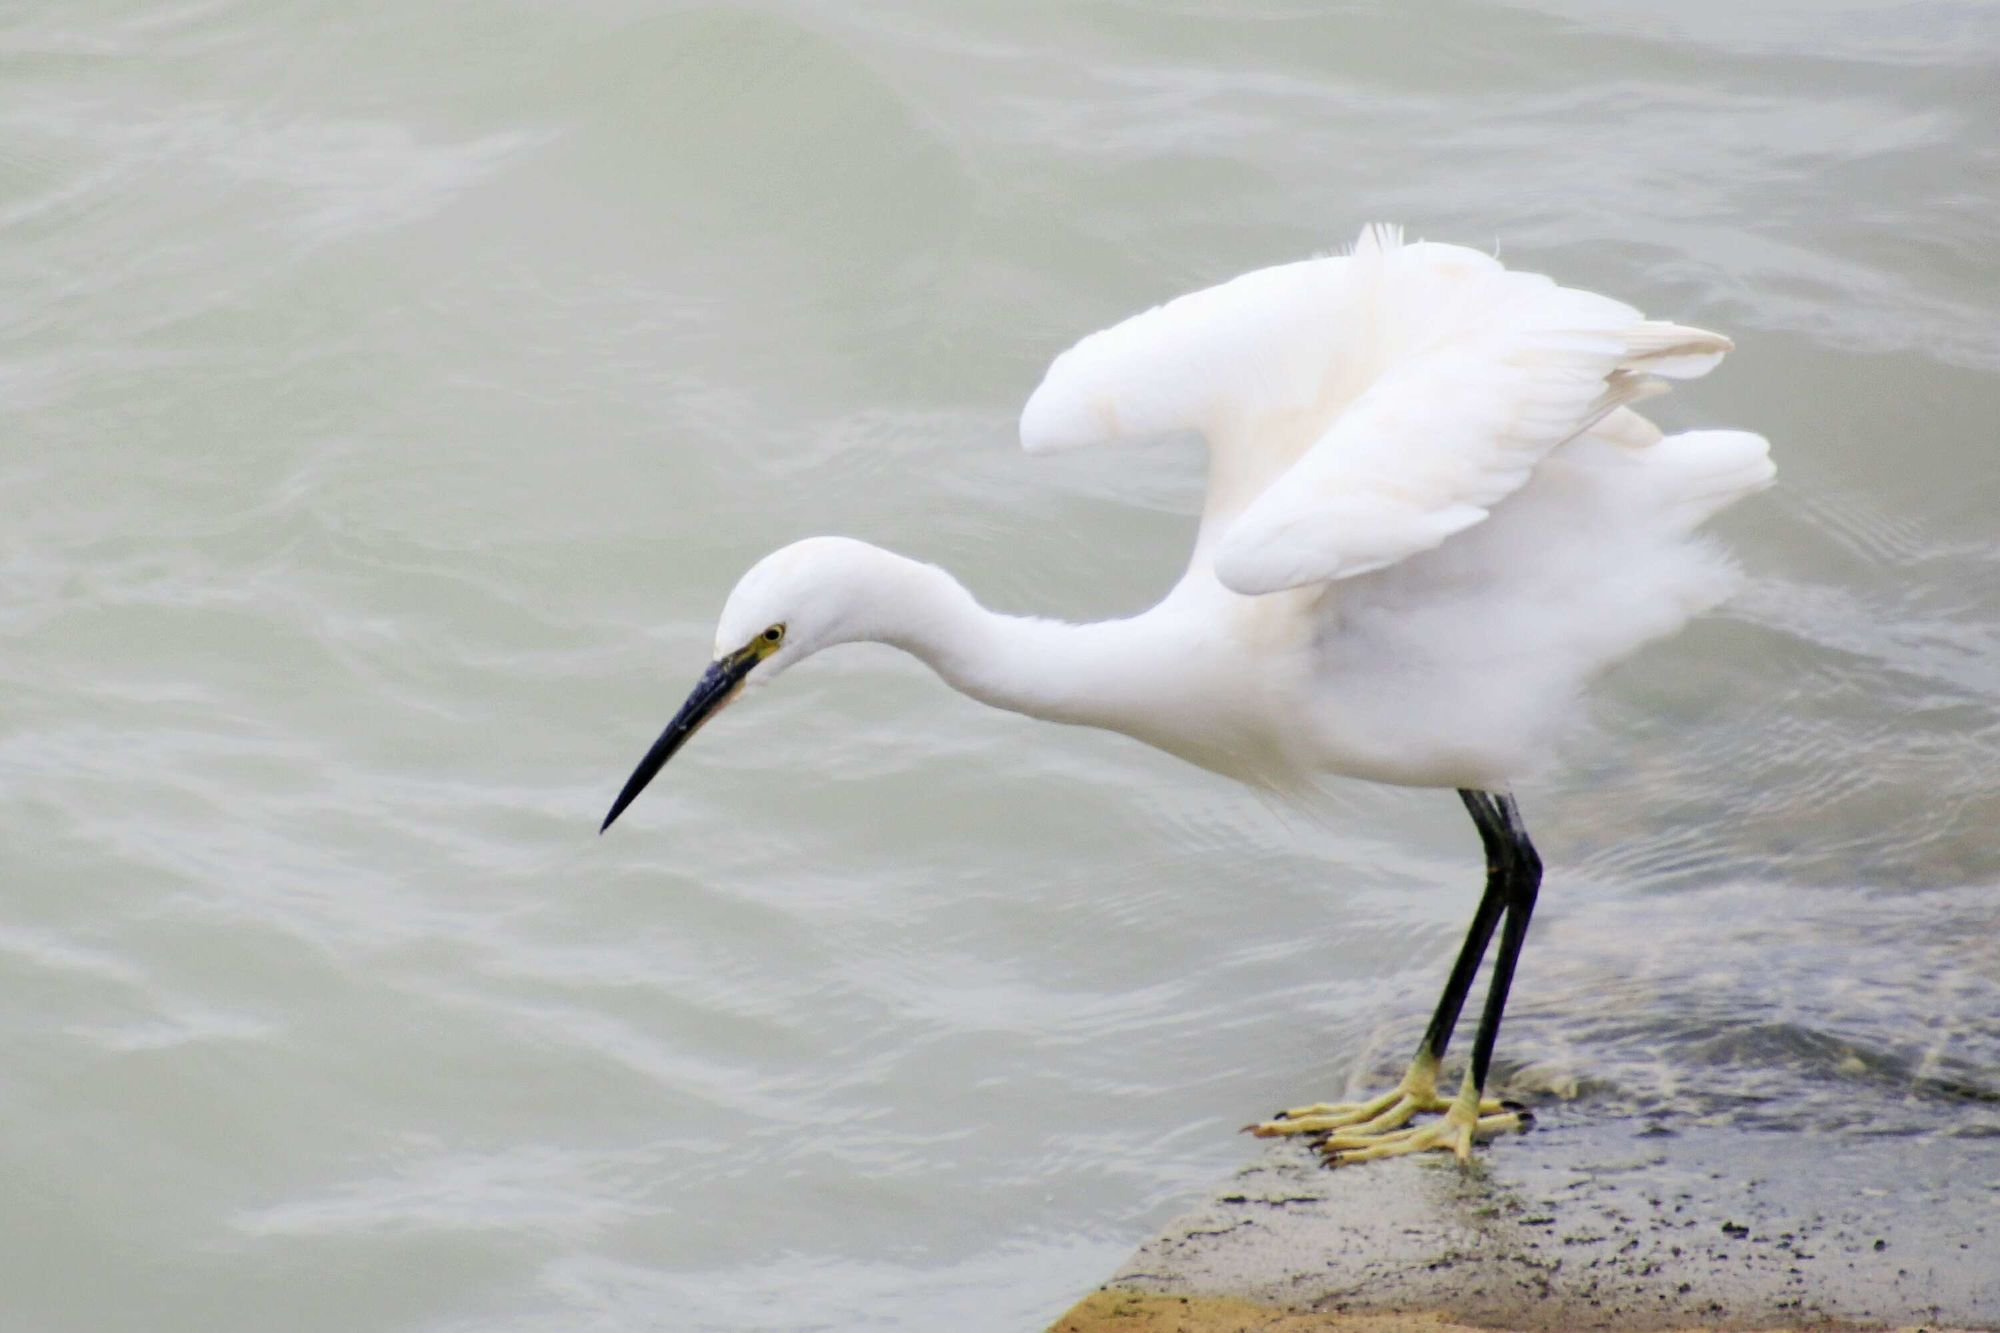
x: 1431, y: 517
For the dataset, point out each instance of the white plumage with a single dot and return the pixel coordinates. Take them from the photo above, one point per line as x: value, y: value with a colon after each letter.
x: 1441, y: 451
x: 1432, y: 515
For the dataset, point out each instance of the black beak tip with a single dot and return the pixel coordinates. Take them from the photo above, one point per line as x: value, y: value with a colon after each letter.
x: 618, y: 806
x: 710, y: 693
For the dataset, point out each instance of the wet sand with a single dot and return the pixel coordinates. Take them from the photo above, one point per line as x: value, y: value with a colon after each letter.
x: 1584, y: 1223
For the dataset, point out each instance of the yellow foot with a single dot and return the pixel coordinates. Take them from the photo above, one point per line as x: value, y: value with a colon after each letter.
x: 1456, y: 1133
x: 1469, y: 1119
x: 1392, y: 1110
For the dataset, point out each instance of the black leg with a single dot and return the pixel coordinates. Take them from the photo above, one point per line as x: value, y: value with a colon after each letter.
x: 1362, y: 1131
x: 1500, y: 824
x: 1487, y: 815
x: 1371, y: 1130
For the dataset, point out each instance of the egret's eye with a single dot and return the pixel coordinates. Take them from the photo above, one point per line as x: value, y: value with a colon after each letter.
x: 775, y: 634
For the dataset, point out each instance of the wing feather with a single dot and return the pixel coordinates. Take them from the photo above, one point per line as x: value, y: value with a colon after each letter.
x: 1360, y: 409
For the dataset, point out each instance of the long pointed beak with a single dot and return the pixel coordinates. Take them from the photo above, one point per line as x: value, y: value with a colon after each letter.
x: 718, y: 685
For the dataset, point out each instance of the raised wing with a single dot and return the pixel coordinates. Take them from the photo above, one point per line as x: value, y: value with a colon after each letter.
x: 1249, y: 365
x: 1359, y: 410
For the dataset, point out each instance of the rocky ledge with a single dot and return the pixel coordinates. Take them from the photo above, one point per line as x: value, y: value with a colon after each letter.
x: 1584, y: 1224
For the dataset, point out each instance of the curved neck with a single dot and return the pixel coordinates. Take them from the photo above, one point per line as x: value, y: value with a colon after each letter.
x: 1064, y: 672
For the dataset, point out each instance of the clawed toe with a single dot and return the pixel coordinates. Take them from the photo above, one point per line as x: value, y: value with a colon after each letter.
x: 1347, y: 1133
x: 1415, y: 1095
x: 1456, y: 1133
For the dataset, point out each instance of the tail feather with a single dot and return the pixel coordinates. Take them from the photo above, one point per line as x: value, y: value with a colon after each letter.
x: 1701, y: 472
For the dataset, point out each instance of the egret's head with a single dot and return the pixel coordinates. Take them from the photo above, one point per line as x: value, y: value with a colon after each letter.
x: 795, y: 601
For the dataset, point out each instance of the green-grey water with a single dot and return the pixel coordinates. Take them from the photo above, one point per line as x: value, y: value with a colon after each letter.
x: 392, y: 392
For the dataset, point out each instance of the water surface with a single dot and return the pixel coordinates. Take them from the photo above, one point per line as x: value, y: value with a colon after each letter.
x: 392, y: 392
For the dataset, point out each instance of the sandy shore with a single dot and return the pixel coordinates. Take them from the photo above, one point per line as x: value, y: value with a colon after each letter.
x: 1131, y: 1312
x: 1584, y: 1224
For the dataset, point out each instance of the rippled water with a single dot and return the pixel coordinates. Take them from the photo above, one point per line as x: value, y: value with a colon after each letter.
x: 392, y: 392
